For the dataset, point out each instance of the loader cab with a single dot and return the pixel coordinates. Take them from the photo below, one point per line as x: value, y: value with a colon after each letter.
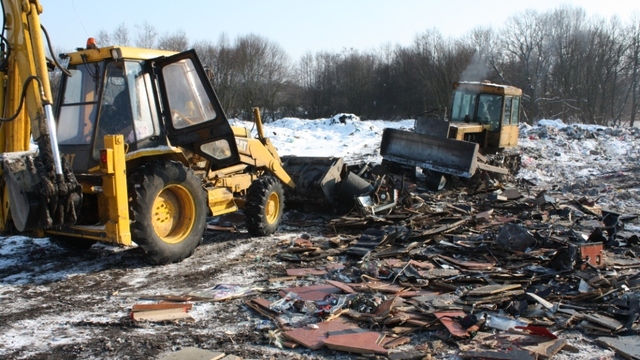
x: 486, y: 114
x: 155, y: 99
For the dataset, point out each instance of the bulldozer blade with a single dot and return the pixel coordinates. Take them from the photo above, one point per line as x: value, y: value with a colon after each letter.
x: 448, y: 156
x: 316, y: 178
x: 432, y: 126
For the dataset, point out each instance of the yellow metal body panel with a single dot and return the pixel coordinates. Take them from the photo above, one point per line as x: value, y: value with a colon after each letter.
x: 458, y: 131
x: 221, y: 201
x: 114, y: 191
x: 509, y: 136
x: 94, y: 55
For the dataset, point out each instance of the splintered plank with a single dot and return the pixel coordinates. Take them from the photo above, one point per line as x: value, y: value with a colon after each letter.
x: 160, y: 306
x: 625, y: 346
x: 359, y: 343
x: 313, y: 338
x: 161, y: 315
x: 192, y: 353
x: 447, y: 318
x: 492, y: 289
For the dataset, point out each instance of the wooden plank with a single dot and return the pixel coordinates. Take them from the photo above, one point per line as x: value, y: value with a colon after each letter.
x: 192, y: 353
x: 492, y: 289
x: 161, y: 315
x: 359, y: 343
x: 495, y: 169
x: 160, y: 306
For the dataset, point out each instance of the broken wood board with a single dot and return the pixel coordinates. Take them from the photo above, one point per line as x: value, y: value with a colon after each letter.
x: 449, y: 320
x: 160, y: 306
x: 192, y: 353
x: 312, y: 337
x: 364, y: 343
x: 492, y: 289
x: 162, y: 315
x: 626, y: 346
x: 607, y: 322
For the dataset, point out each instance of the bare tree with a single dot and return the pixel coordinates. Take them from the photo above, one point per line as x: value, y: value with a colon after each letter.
x: 263, y: 71
x: 633, y: 60
x: 146, y: 36
x: 176, y: 41
x: 120, y: 35
x: 527, y: 47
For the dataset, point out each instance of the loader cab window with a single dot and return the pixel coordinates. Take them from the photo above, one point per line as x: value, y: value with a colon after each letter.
x: 115, y: 108
x: 463, y: 107
x: 128, y: 106
x: 515, y: 111
x: 489, y: 110
x: 188, y: 100
x: 79, y: 105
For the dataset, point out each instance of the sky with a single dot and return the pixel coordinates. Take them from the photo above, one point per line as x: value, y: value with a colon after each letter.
x: 300, y: 26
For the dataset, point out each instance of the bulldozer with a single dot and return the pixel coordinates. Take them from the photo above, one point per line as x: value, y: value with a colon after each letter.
x: 480, y: 133
x: 137, y: 150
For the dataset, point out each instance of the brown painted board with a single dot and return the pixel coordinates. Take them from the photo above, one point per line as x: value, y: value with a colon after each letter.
x: 359, y: 343
x: 313, y: 292
x: 161, y: 315
x: 342, y: 286
x: 471, y: 265
x: 492, y: 289
x: 390, y: 343
x: 306, y: 272
x: 191, y: 353
x: 160, y: 306
x: 447, y: 318
x: 312, y: 338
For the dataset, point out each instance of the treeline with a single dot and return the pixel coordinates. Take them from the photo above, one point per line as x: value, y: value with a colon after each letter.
x: 570, y: 66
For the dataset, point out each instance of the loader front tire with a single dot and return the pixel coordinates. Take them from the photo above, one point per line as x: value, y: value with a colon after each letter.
x: 168, y: 210
x: 264, y: 206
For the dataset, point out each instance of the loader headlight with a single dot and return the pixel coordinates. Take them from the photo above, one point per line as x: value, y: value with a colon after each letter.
x: 116, y: 54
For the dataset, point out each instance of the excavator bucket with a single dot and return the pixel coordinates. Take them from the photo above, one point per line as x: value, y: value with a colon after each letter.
x: 322, y: 180
x: 433, y: 153
x: 316, y: 178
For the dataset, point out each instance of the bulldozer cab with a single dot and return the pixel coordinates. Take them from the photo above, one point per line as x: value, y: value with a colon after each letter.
x: 152, y: 98
x: 486, y: 114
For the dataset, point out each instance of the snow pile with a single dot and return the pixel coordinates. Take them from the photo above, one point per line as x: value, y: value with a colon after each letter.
x: 343, y: 135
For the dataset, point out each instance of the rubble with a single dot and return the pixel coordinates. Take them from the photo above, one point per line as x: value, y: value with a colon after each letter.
x: 501, y: 273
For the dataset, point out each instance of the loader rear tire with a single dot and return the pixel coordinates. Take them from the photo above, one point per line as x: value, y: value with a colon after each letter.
x: 168, y: 210
x: 264, y: 206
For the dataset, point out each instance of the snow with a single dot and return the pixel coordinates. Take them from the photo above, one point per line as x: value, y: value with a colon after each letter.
x: 343, y: 135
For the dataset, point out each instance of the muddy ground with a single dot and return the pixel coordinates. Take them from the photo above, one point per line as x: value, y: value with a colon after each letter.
x: 64, y: 304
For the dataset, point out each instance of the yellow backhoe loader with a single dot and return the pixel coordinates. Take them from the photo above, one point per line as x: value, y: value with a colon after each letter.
x: 137, y: 150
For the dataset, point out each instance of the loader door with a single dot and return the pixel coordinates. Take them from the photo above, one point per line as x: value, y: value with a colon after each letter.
x: 509, y: 129
x: 191, y: 110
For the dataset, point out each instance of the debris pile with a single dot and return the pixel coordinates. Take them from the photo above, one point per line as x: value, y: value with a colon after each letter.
x: 500, y: 273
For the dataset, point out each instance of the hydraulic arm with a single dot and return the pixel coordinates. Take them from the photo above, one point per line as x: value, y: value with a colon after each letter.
x: 37, y: 192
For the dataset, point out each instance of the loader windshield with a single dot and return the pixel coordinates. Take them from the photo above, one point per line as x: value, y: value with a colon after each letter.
x: 485, y: 109
x: 79, y: 105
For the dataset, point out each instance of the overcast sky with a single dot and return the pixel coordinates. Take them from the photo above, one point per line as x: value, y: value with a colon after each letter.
x: 300, y: 26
